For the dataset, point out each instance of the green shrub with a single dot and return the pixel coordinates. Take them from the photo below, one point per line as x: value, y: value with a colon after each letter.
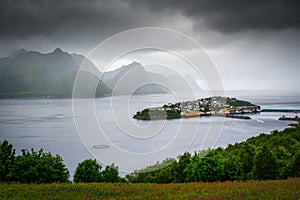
x: 88, y: 171
x: 38, y: 167
x: 7, y: 157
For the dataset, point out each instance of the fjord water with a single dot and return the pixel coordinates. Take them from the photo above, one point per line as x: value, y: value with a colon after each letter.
x: 49, y: 124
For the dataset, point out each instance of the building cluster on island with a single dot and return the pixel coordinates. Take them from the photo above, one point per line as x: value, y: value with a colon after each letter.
x: 211, y: 106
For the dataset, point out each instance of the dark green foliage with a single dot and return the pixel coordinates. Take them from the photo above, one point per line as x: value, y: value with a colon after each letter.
x: 163, y: 175
x: 158, y: 165
x: 144, y: 114
x: 296, y: 165
x: 88, y: 171
x: 230, y: 101
x: 163, y: 172
x: 179, y: 172
x: 232, y: 168
x: 284, y: 163
x: 172, y: 114
x: 2, y: 171
x: 110, y: 174
x: 246, y: 157
x: 38, y: 167
x: 139, y: 177
x: 148, y: 114
x: 267, y: 156
x: 7, y: 157
x: 237, y: 103
x: 209, y: 168
x: 265, y: 166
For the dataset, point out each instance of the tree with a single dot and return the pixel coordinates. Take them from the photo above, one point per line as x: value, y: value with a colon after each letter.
x: 166, y: 174
x: 179, y: 167
x: 232, y: 167
x: 209, y: 168
x: 246, y: 157
x: 296, y: 165
x: 88, y: 171
x: 140, y: 177
x: 265, y: 165
x: 7, y: 157
x: 110, y: 174
x: 284, y: 162
x: 38, y: 167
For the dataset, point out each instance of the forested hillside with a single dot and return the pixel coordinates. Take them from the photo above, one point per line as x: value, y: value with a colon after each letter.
x: 268, y: 156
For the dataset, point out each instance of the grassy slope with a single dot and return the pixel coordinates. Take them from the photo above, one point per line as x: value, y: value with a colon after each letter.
x: 275, y: 189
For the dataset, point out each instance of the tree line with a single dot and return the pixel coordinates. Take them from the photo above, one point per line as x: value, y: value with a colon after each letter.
x: 267, y: 156
x: 43, y: 167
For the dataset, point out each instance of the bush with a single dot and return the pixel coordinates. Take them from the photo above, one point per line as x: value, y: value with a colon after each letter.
x: 88, y: 171
x: 208, y: 168
x: 7, y: 157
x: 38, y: 167
x: 265, y: 165
x: 110, y: 174
x: 296, y: 165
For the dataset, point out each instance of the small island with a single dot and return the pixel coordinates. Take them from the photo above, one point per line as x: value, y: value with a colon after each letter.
x: 210, y: 106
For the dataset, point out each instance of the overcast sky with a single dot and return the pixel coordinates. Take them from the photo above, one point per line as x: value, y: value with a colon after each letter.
x: 254, y: 44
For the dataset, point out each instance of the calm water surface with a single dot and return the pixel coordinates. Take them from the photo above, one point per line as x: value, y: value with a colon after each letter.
x: 49, y: 124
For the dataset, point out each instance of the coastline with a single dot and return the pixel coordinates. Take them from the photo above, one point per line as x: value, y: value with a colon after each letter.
x: 230, y: 107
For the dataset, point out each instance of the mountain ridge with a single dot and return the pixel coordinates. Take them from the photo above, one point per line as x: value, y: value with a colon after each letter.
x: 132, y: 79
x: 34, y: 74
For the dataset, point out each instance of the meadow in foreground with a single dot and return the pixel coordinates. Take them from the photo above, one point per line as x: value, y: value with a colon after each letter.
x: 271, y: 189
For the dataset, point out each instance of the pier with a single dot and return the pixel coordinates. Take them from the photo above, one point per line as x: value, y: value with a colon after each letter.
x: 294, y: 110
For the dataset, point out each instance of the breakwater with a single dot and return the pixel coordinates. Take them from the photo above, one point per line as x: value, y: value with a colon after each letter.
x: 294, y: 110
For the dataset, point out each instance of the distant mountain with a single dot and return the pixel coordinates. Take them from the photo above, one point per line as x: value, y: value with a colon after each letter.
x: 88, y: 65
x: 127, y: 78
x: 192, y: 83
x: 33, y: 74
x: 159, y: 78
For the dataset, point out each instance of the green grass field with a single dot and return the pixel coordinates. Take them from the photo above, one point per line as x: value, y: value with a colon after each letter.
x: 276, y: 189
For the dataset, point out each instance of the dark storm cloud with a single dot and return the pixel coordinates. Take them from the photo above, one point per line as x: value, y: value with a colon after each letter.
x: 25, y: 18
x: 240, y: 34
x: 234, y: 15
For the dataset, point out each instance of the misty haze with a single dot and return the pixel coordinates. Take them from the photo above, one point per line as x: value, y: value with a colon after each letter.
x: 118, y: 93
